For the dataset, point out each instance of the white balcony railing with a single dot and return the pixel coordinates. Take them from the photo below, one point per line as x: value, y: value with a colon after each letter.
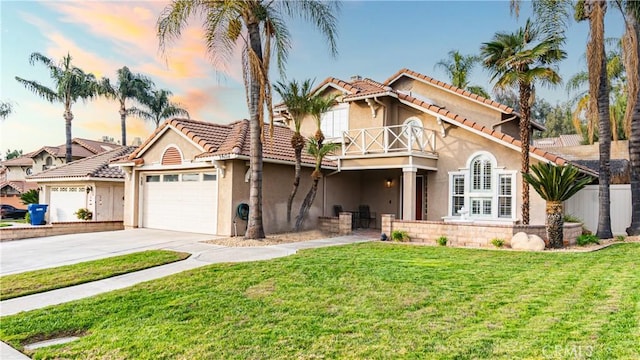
x: 389, y: 139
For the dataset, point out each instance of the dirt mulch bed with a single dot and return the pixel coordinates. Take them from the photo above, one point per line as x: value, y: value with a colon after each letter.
x: 594, y: 247
x: 273, y: 239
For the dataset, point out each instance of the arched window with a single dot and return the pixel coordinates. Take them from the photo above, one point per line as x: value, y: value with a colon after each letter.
x: 49, y: 161
x: 481, y: 173
x: 482, y: 190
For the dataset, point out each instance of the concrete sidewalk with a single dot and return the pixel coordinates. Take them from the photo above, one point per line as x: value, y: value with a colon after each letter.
x: 202, y: 255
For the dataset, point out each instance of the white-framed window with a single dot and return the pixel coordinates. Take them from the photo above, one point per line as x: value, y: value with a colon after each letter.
x: 335, y: 121
x: 484, y: 189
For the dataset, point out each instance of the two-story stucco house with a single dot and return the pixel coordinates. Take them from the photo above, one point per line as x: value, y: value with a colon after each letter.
x: 411, y: 146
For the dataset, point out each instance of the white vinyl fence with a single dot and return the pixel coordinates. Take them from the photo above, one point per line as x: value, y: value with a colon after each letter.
x: 584, y: 205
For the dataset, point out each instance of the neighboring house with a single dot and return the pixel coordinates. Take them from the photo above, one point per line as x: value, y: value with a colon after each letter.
x: 13, y: 172
x: 411, y: 146
x: 86, y: 183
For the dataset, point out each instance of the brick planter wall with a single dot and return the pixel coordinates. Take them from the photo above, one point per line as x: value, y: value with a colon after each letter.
x: 470, y: 234
x: 329, y: 224
x: 60, y: 228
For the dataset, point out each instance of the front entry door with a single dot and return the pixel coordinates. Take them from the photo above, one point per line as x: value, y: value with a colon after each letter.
x: 419, y: 197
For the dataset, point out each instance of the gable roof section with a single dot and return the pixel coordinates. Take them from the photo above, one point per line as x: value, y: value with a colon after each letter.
x: 24, y: 160
x: 486, y: 132
x: 416, y: 75
x: 208, y: 136
x: 96, y: 166
x: 79, y: 148
x: 20, y: 186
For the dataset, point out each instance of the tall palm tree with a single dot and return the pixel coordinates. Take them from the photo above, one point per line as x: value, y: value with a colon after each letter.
x: 631, y: 56
x: 318, y: 152
x: 316, y: 147
x: 254, y: 24
x: 158, y: 107
x: 616, y: 78
x: 5, y: 109
x: 70, y: 84
x: 520, y: 60
x: 128, y: 86
x: 458, y: 67
x: 555, y: 184
x: 296, y: 98
x: 593, y: 11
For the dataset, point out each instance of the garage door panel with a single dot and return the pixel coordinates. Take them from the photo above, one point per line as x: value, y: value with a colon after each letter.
x: 64, y: 201
x: 180, y: 206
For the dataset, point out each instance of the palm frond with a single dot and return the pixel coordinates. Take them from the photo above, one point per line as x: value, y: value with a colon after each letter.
x: 39, y: 89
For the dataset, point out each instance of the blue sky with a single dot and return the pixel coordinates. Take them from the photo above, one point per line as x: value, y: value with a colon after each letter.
x: 376, y: 39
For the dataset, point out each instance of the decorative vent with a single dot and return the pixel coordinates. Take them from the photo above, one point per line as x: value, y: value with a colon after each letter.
x: 171, y: 156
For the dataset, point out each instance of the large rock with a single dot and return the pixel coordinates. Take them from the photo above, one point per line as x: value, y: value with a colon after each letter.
x: 522, y: 241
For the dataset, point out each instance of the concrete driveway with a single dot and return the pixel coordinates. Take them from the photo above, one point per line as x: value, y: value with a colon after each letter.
x: 45, y: 252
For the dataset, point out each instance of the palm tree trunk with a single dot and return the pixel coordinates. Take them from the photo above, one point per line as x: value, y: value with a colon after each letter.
x: 123, y: 123
x: 306, y: 204
x: 68, y: 116
x: 604, y: 135
x: 555, y: 224
x: 525, y: 126
x: 296, y: 179
x: 634, y: 157
x: 255, y: 229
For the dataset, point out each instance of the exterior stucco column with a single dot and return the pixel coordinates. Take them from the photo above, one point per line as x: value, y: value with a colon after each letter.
x: 409, y: 193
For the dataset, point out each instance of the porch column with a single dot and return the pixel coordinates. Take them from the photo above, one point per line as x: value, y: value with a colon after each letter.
x: 409, y: 193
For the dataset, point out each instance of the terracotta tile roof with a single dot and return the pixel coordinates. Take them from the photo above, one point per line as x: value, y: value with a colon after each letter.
x: 24, y: 160
x: 207, y: 135
x: 481, y: 128
x: 96, y: 166
x: 19, y: 185
x: 276, y: 147
x: 79, y: 148
x: 497, y: 105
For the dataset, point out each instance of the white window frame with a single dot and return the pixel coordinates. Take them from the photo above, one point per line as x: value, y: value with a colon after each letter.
x: 483, y: 194
x: 332, y: 135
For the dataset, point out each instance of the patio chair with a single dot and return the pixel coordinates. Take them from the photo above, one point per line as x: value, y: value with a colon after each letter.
x: 366, y: 216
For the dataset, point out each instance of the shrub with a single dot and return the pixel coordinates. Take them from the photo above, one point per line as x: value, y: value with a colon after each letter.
x: 400, y: 235
x: 620, y: 238
x: 27, y: 217
x: 442, y: 240
x: 497, y: 242
x: 30, y: 197
x: 586, y: 239
x: 572, y: 219
x: 84, y: 214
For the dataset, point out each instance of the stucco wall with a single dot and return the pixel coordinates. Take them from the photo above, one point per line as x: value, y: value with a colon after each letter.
x: 15, y: 173
x: 153, y: 155
x: 458, y: 104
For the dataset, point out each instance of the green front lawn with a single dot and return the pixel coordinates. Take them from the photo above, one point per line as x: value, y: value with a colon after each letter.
x: 364, y: 301
x: 54, y: 278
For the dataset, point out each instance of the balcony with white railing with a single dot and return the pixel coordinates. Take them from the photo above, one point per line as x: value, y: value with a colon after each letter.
x: 400, y: 140
x: 400, y: 146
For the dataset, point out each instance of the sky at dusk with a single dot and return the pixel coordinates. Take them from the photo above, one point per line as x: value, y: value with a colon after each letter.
x: 375, y: 39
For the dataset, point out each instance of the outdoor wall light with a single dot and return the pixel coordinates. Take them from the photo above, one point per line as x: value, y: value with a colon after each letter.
x: 388, y: 183
x: 89, y: 188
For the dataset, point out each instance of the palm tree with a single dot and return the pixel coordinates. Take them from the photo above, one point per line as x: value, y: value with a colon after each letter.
x: 521, y: 59
x: 128, y: 86
x: 555, y: 184
x: 316, y: 147
x: 254, y: 24
x: 70, y: 84
x: 616, y: 79
x: 5, y: 109
x: 320, y: 105
x: 318, y: 152
x: 458, y: 67
x: 159, y: 107
x: 631, y: 52
x: 296, y: 98
x: 594, y: 11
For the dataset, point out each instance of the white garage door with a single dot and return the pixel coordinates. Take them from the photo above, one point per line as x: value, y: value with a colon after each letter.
x: 64, y: 201
x: 180, y: 201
